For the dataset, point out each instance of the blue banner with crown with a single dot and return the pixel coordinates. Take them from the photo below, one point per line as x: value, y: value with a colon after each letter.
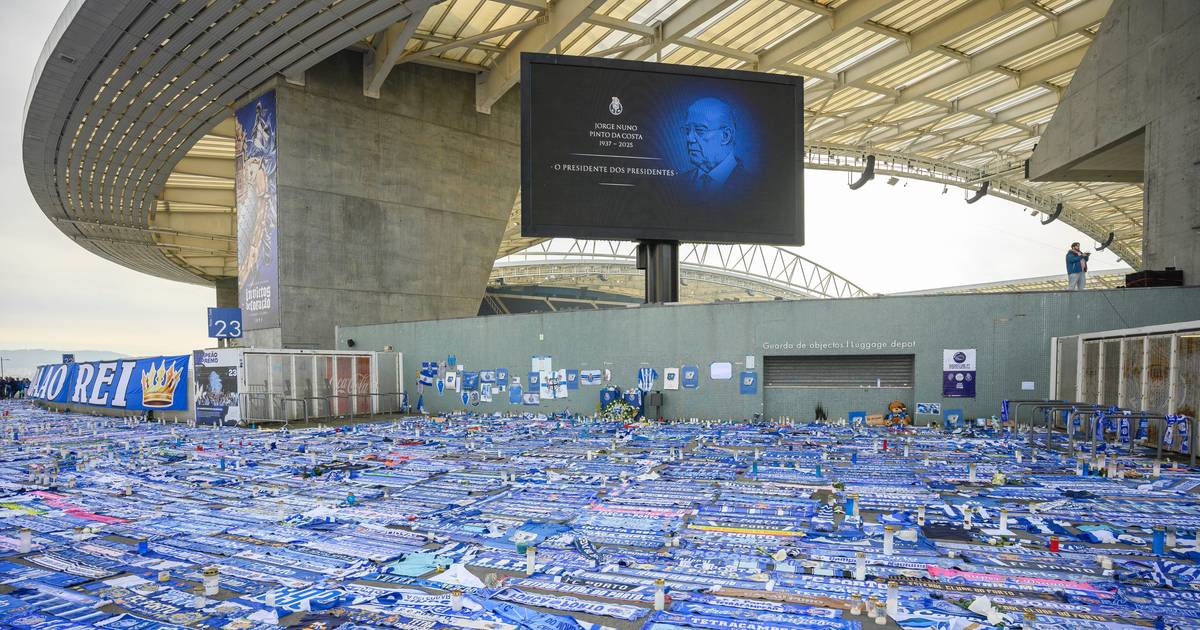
x: 152, y: 383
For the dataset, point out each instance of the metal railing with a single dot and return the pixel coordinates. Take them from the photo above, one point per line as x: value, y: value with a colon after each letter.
x: 245, y: 397
x: 377, y: 396
x: 331, y: 397
x: 318, y: 400
x: 1088, y: 414
x: 303, y: 405
x: 272, y: 406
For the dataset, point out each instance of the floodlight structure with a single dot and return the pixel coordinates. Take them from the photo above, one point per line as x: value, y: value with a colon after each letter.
x: 867, y: 175
x: 981, y: 193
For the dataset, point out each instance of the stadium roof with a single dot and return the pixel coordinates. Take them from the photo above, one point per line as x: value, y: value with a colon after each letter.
x: 708, y: 273
x: 128, y: 137
x: 1095, y: 280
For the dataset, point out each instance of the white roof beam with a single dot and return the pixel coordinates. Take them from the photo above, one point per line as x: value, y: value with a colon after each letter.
x: 850, y: 15
x: 937, y: 139
x: 560, y: 20
x: 933, y: 36
x: 991, y: 58
x: 718, y: 49
x: 1005, y: 117
x: 1028, y: 77
x: 616, y: 50
x: 841, y: 123
x: 682, y: 22
x: 431, y: 38
x: 617, y: 24
x: 466, y: 42
x: 382, y: 57
x: 969, y: 149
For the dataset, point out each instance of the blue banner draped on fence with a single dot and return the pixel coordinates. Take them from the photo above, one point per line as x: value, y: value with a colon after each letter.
x: 134, y: 384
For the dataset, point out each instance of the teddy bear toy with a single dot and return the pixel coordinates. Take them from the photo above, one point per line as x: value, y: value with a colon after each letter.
x: 897, y: 415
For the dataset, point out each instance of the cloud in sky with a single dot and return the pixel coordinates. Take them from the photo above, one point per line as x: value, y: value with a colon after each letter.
x: 884, y: 238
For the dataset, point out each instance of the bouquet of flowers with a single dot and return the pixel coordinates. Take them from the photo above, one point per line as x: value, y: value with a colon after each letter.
x: 619, y: 411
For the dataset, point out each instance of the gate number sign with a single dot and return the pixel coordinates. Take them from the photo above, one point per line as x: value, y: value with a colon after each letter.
x: 225, y: 323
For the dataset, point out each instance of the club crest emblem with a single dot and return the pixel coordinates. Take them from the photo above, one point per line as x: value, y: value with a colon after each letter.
x: 615, y: 107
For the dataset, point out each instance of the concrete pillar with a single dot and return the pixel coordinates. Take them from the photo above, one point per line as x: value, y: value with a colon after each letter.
x: 227, y: 292
x: 389, y: 209
x: 1131, y: 114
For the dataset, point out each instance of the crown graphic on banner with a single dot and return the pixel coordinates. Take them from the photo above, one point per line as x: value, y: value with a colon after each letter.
x: 158, y: 384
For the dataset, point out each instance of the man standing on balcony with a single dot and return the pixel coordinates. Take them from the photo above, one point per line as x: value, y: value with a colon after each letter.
x: 1076, y: 268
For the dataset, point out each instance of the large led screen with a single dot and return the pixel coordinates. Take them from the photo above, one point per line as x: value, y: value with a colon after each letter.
x: 633, y: 150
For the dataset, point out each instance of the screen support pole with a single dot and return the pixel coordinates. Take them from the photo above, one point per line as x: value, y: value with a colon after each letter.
x: 660, y: 260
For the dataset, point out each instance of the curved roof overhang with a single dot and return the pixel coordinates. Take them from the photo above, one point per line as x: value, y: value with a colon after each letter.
x: 124, y: 88
x: 127, y: 147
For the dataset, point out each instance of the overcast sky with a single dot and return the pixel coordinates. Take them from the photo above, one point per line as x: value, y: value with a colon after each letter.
x: 55, y: 294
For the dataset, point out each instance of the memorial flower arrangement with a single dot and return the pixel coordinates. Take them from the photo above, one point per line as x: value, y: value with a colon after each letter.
x: 619, y: 410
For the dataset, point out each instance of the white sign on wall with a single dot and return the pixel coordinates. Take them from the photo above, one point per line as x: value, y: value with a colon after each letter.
x: 958, y: 360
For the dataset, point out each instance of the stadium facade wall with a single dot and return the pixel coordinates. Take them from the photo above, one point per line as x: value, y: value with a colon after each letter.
x: 1010, y: 331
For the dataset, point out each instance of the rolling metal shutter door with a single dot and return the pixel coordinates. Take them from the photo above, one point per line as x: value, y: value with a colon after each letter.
x: 858, y: 370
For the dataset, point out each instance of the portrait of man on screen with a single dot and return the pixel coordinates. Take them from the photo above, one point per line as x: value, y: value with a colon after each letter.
x: 711, y: 132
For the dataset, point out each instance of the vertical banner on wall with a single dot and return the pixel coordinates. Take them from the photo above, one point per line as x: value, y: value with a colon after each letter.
x: 216, y: 377
x: 255, y: 185
x: 958, y: 373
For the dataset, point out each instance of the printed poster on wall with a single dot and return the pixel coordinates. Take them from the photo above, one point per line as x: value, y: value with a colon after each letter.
x: 671, y: 378
x: 958, y: 373
x: 257, y: 238
x: 216, y: 376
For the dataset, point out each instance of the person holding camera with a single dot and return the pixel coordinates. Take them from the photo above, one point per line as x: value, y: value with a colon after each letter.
x: 1076, y: 268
